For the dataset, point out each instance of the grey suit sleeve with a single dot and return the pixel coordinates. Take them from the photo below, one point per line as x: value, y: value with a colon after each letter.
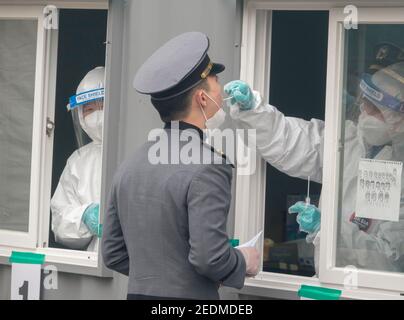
x: 209, y: 197
x: 114, y: 250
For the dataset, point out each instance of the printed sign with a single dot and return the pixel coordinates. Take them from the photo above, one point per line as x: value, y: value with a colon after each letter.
x: 379, y: 189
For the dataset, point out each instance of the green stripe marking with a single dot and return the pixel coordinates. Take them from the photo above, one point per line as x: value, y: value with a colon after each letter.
x: 319, y: 293
x: 27, y: 257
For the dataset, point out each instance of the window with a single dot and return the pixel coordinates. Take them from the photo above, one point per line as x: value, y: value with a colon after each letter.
x: 40, y: 68
x: 369, y: 51
x: 338, y: 58
x: 22, y: 57
x: 18, y: 52
x: 368, y: 63
x: 297, y: 88
x: 89, y: 53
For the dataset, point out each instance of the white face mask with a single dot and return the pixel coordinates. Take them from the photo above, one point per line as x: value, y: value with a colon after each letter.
x: 217, y: 119
x: 374, y: 131
x: 92, y: 125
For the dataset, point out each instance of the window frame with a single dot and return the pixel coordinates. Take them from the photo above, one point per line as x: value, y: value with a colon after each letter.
x: 18, y: 238
x: 250, y: 190
x: 333, y: 133
x: 72, y: 261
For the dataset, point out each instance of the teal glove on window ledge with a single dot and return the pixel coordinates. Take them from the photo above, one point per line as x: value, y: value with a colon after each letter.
x: 91, y: 219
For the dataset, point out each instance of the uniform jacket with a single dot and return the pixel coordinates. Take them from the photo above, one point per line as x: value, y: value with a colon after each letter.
x: 165, y: 223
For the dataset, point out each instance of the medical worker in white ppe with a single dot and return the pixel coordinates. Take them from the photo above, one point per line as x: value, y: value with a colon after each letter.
x: 295, y: 147
x: 75, y: 204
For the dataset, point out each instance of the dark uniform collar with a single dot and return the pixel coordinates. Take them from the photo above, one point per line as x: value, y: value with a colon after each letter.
x: 182, y: 125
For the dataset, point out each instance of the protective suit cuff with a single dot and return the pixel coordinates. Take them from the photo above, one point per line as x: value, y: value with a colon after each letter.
x: 257, y: 99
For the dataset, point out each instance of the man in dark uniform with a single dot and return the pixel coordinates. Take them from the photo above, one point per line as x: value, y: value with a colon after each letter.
x: 165, y: 223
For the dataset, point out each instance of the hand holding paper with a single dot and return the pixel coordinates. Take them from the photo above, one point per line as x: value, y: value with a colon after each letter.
x: 252, y: 242
x: 251, y: 255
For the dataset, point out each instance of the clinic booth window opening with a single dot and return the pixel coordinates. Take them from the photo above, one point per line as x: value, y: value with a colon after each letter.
x: 51, y: 132
x: 325, y: 89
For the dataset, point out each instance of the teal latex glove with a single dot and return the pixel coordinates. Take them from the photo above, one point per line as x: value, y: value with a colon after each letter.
x: 308, y: 216
x: 91, y: 219
x: 241, y: 94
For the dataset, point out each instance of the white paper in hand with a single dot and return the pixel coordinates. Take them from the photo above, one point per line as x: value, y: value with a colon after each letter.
x: 252, y: 242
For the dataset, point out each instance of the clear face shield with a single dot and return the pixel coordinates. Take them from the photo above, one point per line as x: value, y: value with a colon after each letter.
x: 381, y: 120
x: 88, y: 116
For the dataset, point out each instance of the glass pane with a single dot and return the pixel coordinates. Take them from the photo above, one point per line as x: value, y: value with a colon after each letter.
x: 285, y: 247
x: 17, y: 80
x: 371, y: 215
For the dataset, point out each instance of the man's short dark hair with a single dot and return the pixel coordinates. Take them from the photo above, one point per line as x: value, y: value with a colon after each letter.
x: 179, y: 106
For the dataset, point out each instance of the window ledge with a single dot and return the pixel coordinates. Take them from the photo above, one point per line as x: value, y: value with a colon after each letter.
x: 70, y: 261
x: 280, y: 286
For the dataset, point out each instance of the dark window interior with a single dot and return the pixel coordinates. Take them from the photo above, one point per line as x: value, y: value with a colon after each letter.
x: 297, y: 88
x: 81, y: 47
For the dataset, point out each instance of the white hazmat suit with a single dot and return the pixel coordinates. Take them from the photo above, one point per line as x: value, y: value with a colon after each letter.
x: 80, y: 183
x: 295, y: 147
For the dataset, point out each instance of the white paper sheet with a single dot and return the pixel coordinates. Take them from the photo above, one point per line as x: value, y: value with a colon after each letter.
x: 379, y: 189
x: 252, y: 242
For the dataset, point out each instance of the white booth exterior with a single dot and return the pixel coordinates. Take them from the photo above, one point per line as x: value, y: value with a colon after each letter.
x: 251, y: 60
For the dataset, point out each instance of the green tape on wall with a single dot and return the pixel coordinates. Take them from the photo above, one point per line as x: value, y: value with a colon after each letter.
x: 319, y: 293
x: 27, y: 257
